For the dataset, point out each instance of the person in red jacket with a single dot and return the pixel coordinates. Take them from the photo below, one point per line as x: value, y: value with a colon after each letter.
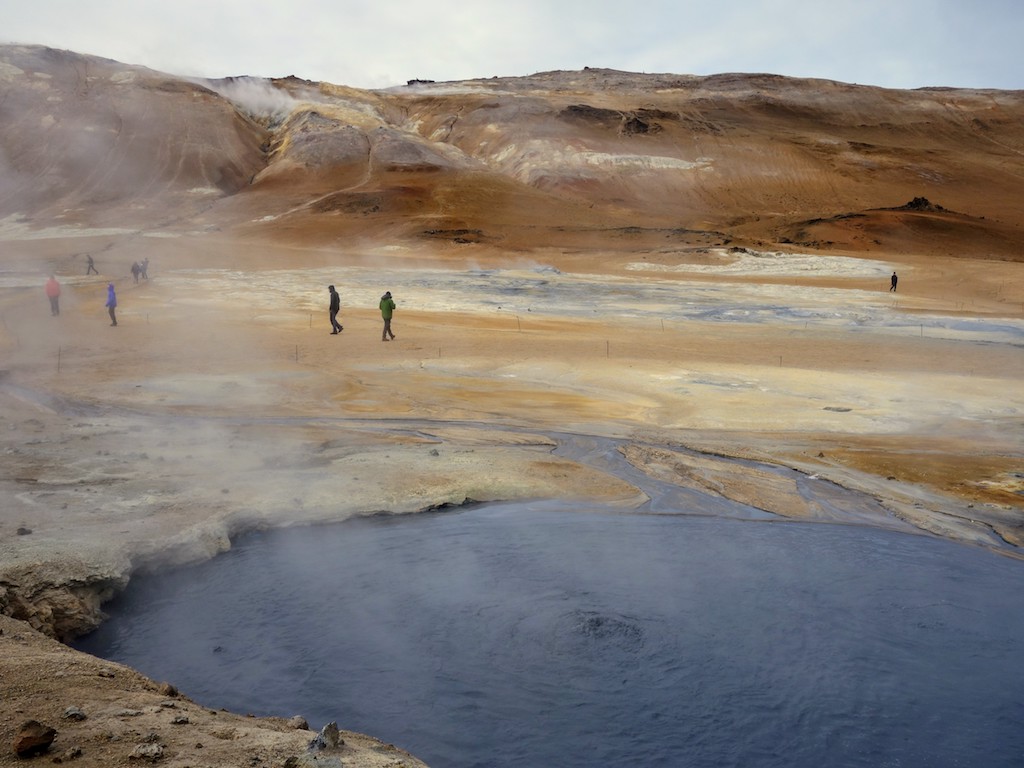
x: 53, y: 293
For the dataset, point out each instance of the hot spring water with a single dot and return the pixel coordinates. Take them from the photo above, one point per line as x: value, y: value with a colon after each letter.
x: 540, y: 635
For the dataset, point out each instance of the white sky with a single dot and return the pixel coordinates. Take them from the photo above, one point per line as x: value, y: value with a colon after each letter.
x: 380, y: 43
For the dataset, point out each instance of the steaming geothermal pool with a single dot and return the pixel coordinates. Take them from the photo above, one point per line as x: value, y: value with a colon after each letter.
x: 544, y: 635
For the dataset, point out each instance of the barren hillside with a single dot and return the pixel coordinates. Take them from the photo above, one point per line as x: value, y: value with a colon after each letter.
x: 557, y: 159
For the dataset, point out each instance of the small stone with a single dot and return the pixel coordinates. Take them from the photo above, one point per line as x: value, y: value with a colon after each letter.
x: 72, y: 754
x: 180, y: 720
x: 22, y: 531
x: 166, y: 689
x: 328, y: 738
x: 74, y: 713
x: 299, y: 723
x: 150, y: 752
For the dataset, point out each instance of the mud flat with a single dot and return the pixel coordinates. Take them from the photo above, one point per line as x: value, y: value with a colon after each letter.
x: 221, y: 404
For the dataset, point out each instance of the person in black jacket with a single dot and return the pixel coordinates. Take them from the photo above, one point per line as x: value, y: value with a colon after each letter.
x: 336, y: 327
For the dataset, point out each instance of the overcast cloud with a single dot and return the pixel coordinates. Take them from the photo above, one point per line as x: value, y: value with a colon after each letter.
x: 891, y: 43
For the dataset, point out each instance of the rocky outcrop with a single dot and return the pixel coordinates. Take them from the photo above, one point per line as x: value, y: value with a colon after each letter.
x: 60, y: 607
x: 920, y: 204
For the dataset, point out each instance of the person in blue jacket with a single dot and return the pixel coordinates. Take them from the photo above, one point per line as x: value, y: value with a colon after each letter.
x: 111, y: 303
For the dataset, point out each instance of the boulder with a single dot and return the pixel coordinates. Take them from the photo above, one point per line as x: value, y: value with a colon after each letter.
x: 33, y: 738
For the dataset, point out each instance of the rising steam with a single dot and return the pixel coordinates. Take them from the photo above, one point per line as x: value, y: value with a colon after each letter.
x: 257, y: 97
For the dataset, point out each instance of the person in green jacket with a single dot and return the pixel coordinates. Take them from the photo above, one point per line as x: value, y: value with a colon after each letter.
x: 387, y: 308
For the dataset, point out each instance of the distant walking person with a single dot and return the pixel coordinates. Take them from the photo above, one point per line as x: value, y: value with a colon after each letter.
x: 111, y: 303
x: 892, y: 282
x: 136, y: 269
x: 144, y: 268
x: 387, y: 309
x: 90, y: 266
x: 336, y: 327
x: 53, y: 293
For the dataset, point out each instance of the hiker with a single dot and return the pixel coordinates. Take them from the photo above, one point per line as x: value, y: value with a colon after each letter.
x: 111, y: 303
x: 892, y: 282
x: 144, y: 268
x: 136, y: 269
x: 53, y: 293
x: 90, y: 266
x: 336, y: 327
x: 387, y: 309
